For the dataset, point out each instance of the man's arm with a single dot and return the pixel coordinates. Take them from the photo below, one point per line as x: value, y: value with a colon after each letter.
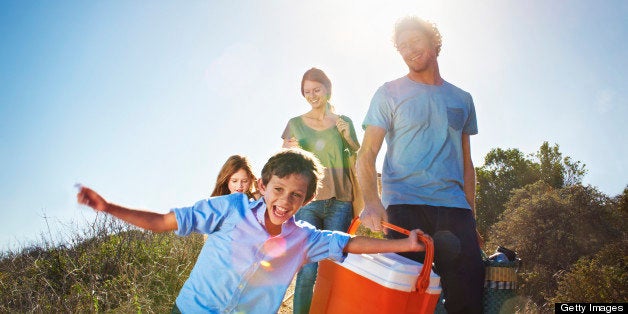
x: 366, y: 245
x: 374, y: 211
x: 469, y: 172
x: 469, y: 179
x: 143, y: 219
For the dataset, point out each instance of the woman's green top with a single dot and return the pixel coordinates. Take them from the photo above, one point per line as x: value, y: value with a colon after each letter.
x: 330, y: 148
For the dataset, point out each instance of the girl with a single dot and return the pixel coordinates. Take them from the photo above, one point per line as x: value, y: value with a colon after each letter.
x: 236, y: 176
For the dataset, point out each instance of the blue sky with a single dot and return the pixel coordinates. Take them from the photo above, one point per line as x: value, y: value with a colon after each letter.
x: 144, y: 101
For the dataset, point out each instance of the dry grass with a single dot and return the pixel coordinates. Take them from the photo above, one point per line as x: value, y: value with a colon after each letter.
x: 110, y: 267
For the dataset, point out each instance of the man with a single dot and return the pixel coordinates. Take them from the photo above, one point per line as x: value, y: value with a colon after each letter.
x: 428, y: 179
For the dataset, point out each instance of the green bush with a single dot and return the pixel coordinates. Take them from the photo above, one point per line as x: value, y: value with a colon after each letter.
x: 603, y: 278
x: 117, y: 268
x: 552, y: 229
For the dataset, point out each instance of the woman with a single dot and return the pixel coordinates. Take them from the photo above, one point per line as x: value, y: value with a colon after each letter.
x: 332, y: 139
x: 236, y: 176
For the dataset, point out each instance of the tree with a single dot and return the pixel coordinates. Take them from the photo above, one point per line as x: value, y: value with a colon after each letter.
x: 551, y: 228
x: 558, y: 171
x: 622, y: 201
x: 506, y: 170
x: 551, y: 169
x: 503, y: 171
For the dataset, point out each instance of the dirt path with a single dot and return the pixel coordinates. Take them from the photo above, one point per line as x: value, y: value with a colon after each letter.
x: 286, y: 305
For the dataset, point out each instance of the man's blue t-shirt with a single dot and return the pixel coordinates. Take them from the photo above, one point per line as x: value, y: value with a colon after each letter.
x: 424, y: 126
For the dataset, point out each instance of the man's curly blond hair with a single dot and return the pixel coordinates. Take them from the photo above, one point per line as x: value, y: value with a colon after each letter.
x: 426, y: 27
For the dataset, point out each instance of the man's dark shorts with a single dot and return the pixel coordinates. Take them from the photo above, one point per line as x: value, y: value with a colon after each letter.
x: 457, y: 255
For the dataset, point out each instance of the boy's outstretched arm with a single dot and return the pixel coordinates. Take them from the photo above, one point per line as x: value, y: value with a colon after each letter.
x: 143, y: 219
x: 366, y: 245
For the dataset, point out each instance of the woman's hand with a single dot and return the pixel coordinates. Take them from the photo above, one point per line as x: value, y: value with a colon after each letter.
x: 343, y: 128
x: 291, y: 143
x: 345, y: 131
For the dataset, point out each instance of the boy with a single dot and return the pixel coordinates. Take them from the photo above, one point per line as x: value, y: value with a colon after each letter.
x: 253, y: 248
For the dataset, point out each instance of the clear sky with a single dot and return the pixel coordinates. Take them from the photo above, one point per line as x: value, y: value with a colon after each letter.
x: 144, y: 100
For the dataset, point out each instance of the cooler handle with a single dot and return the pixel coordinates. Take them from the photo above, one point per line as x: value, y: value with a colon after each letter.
x: 423, y: 281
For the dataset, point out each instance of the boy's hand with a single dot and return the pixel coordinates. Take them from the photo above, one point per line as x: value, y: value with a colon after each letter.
x: 87, y: 196
x: 415, y: 244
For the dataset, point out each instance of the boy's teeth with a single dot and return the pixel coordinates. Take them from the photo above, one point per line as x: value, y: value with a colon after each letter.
x: 280, y: 211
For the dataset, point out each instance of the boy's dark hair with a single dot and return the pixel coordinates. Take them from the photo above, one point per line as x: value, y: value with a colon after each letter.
x: 295, y: 161
x: 415, y: 23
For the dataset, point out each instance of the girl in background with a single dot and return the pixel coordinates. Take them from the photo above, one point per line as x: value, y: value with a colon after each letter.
x: 236, y: 176
x: 332, y: 139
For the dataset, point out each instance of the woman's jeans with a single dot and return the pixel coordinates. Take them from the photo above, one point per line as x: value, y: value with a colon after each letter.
x: 328, y: 214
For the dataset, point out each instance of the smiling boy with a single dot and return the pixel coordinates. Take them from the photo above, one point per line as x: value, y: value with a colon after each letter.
x: 253, y: 249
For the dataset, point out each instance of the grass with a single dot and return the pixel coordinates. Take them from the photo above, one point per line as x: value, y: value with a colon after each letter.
x: 110, y: 267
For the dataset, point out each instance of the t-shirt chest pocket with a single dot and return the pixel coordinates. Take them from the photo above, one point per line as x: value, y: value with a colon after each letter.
x: 455, y: 118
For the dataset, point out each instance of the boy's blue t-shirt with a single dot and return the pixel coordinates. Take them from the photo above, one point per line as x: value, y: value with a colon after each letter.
x: 241, y: 268
x: 424, y: 126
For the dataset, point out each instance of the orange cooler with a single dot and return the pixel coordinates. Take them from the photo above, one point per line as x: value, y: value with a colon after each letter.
x: 377, y: 283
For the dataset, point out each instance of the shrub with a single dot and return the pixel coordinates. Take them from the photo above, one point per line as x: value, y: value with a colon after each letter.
x: 553, y: 228
x: 602, y: 278
x: 117, y: 268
